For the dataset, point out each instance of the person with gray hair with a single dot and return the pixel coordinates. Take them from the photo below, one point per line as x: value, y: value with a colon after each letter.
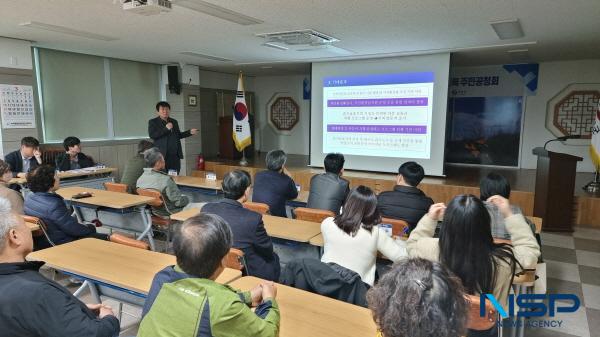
x: 33, y: 305
x: 185, y: 300
x: 275, y: 186
x: 155, y: 178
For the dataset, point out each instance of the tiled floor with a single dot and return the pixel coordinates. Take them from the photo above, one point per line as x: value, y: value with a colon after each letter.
x: 573, y: 266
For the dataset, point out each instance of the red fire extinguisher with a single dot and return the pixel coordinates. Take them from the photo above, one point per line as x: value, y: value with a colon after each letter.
x: 200, y: 163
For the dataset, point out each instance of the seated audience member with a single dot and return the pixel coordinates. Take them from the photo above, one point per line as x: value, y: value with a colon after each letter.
x: 466, y: 246
x: 15, y: 198
x: 275, y: 186
x: 185, y: 301
x: 33, y: 305
x: 353, y: 238
x: 25, y: 159
x: 418, y: 297
x: 406, y: 202
x: 496, y: 184
x: 155, y: 178
x: 329, y: 190
x: 249, y: 232
x: 135, y: 166
x: 50, y: 207
x: 73, y: 158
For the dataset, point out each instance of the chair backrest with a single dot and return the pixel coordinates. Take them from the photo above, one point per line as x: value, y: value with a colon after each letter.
x: 116, y: 187
x: 312, y: 214
x: 399, y: 227
x: 43, y: 229
x: 537, y: 222
x: 235, y: 259
x: 475, y: 321
x: 258, y: 207
x: 123, y: 240
x: 147, y: 192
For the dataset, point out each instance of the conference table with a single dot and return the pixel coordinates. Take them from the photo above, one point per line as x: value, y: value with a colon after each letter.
x: 198, y: 184
x: 124, y: 211
x: 277, y: 227
x: 307, y: 314
x: 112, y: 266
x: 92, y: 177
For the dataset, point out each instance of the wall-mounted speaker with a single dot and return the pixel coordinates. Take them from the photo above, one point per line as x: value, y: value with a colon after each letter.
x: 174, y: 84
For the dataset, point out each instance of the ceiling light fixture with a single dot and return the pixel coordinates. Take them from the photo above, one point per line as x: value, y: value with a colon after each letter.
x: 218, y: 11
x: 275, y: 46
x: 205, y: 56
x: 66, y: 30
x: 508, y: 29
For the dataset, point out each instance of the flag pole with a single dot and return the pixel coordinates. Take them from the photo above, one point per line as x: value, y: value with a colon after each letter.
x: 243, y: 161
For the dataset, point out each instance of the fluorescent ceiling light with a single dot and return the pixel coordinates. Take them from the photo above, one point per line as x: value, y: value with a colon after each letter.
x: 274, y: 45
x: 508, y: 29
x: 205, y: 56
x: 218, y: 11
x: 65, y: 30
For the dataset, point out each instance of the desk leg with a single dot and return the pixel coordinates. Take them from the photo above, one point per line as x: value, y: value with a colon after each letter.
x: 93, y: 291
x: 147, y: 219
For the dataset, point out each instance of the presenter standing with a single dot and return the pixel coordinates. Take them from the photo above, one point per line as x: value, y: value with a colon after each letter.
x: 165, y: 132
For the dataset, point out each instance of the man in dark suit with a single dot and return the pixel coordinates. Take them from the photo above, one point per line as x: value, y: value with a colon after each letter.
x: 165, y: 132
x: 406, y: 202
x: 329, y: 190
x: 275, y: 185
x: 249, y: 234
x: 26, y: 159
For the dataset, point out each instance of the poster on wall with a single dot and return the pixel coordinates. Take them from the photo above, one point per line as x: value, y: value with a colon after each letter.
x: 17, y: 106
x: 485, y: 108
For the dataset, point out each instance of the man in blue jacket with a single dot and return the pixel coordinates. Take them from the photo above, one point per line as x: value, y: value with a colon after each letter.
x: 33, y: 305
x: 249, y: 234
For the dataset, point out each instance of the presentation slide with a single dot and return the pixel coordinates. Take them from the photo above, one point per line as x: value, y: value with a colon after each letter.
x: 383, y: 115
x: 380, y: 112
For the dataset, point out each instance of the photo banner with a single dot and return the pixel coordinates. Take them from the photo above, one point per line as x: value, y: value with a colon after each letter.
x: 495, y: 80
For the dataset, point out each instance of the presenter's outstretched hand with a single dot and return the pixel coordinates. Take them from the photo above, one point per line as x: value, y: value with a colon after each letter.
x: 194, y: 131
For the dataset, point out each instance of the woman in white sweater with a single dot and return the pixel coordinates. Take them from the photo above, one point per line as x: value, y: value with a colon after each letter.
x: 353, y: 238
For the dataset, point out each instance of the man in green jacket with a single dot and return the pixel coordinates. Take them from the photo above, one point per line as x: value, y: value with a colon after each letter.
x: 185, y: 300
x: 135, y: 166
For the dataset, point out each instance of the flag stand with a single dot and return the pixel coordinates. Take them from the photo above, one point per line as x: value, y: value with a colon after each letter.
x: 243, y: 161
x: 593, y: 186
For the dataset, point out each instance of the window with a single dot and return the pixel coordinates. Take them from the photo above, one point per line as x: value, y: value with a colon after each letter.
x: 94, y: 98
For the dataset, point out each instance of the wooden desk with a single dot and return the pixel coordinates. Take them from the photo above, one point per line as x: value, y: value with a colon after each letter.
x: 118, y: 265
x: 71, y: 174
x: 317, y: 241
x: 104, y: 198
x: 281, y: 228
x: 198, y: 182
x: 291, y: 229
x: 308, y: 314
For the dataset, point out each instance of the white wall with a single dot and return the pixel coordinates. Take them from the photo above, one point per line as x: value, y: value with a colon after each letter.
x: 267, y: 139
x: 553, y: 77
x: 217, y: 80
x: 15, y: 54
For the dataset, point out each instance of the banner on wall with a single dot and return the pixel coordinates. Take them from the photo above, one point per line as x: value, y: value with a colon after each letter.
x: 497, y: 80
x: 17, y: 106
x: 485, y: 110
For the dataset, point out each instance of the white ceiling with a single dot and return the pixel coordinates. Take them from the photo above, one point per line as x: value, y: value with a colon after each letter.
x: 554, y: 30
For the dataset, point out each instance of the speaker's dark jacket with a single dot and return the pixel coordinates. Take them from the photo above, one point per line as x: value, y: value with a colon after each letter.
x: 167, y: 141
